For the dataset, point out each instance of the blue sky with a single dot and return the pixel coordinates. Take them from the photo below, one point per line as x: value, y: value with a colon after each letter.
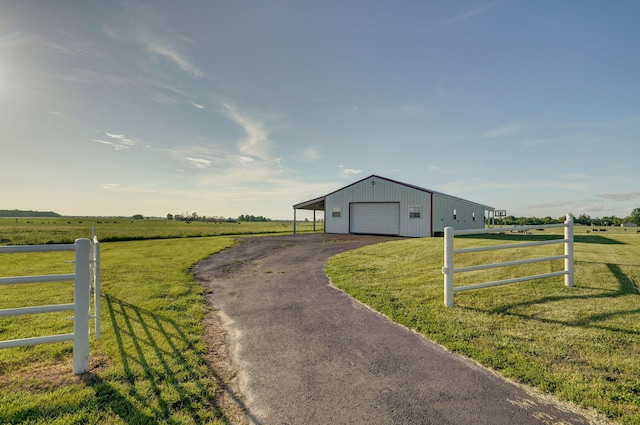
x: 248, y: 107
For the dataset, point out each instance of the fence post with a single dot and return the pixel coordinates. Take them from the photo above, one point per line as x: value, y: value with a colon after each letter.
x: 448, y: 266
x: 95, y: 279
x: 568, y: 251
x: 81, y: 309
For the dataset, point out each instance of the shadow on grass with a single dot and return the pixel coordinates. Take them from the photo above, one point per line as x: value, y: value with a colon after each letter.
x: 626, y: 286
x: 591, y: 239
x: 162, y: 371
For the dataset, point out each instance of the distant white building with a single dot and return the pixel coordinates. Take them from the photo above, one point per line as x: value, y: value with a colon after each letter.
x: 381, y: 206
x: 628, y: 225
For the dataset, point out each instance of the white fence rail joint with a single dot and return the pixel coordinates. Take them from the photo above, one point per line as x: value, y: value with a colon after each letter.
x: 449, y: 268
x: 86, y: 277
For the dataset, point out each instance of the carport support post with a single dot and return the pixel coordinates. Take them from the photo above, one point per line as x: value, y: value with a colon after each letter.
x: 294, y: 221
x: 448, y: 266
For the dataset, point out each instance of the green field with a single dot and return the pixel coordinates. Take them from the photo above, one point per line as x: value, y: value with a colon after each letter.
x: 149, y: 366
x: 32, y: 231
x: 581, y: 344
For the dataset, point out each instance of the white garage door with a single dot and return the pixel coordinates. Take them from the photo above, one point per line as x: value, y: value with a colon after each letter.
x: 379, y: 218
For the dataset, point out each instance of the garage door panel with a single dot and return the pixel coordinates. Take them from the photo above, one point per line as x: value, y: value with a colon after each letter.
x: 378, y: 218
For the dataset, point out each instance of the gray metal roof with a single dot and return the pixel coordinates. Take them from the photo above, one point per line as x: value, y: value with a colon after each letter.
x: 317, y: 204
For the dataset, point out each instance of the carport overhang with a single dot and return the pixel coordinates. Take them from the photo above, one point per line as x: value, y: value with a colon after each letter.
x: 314, y: 205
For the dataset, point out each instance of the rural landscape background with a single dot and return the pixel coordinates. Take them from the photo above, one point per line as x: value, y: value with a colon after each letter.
x: 127, y: 116
x: 229, y: 108
x: 579, y: 344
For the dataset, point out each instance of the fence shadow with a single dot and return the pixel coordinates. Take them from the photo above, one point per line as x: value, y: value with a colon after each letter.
x: 162, y: 371
x: 591, y: 239
x: 626, y: 286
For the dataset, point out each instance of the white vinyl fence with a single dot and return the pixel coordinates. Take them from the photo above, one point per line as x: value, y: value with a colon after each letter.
x: 86, y: 278
x: 449, y: 269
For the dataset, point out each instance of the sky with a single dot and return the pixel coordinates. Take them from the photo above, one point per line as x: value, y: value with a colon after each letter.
x: 223, y: 108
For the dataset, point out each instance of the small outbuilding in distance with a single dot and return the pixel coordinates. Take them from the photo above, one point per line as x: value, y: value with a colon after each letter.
x: 380, y: 206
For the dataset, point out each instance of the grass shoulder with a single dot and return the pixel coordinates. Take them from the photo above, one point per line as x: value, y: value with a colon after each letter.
x: 580, y: 344
x: 149, y: 365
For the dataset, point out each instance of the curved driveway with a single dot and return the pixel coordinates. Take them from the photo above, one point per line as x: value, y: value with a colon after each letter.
x: 307, y: 353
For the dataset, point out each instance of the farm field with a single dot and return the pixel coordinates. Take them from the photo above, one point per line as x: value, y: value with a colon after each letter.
x: 33, y: 231
x: 581, y: 344
x: 149, y: 366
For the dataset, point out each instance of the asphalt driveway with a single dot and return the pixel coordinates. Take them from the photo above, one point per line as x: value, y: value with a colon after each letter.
x: 307, y: 353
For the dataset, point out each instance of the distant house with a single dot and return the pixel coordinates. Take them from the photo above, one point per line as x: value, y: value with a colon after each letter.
x: 628, y: 225
x: 381, y: 206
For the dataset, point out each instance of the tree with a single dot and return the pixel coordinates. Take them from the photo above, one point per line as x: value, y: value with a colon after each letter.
x: 169, y: 216
x: 635, y: 216
x: 252, y: 218
x: 138, y: 217
x: 583, y: 219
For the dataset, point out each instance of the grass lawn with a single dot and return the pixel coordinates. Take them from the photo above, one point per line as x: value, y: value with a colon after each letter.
x: 581, y: 344
x: 148, y: 367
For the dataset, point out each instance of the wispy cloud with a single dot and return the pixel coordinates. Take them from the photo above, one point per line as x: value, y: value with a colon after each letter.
x: 505, y: 130
x: 158, y: 42
x: 197, y: 105
x: 470, y: 14
x: 628, y: 196
x: 198, y: 155
x: 87, y: 76
x: 199, y: 162
x: 575, y: 176
x: 349, y: 171
x: 256, y: 143
x: 436, y: 169
x: 116, y: 141
x: 311, y: 153
x: 163, y: 48
x: 245, y: 168
x: 109, y: 186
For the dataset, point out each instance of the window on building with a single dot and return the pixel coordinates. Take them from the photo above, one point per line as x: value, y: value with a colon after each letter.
x: 473, y: 216
x: 415, y: 211
x: 336, y: 212
x: 455, y: 215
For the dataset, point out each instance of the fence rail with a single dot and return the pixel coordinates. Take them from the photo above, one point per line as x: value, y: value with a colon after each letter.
x: 86, y: 277
x: 449, y: 268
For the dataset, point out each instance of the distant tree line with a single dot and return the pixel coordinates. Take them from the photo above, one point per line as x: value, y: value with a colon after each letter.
x: 584, y: 219
x: 190, y: 217
x: 511, y: 220
x: 28, y: 213
x: 253, y: 218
